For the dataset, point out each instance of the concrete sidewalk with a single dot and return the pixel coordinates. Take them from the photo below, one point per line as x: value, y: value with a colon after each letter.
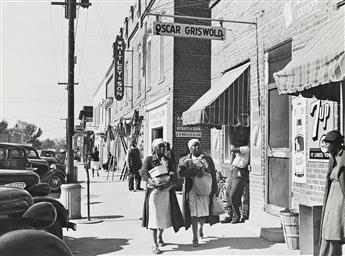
x: 121, y: 233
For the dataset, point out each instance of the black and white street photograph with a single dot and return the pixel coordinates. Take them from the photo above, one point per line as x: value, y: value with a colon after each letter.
x: 173, y: 127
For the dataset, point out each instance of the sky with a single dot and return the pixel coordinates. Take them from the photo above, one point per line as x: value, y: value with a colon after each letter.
x: 34, y: 55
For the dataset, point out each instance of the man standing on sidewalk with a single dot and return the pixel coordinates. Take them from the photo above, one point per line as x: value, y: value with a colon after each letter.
x: 239, y: 180
x: 134, y: 164
x: 95, y: 162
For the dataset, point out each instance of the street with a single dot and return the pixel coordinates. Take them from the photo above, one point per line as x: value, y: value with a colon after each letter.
x: 121, y: 233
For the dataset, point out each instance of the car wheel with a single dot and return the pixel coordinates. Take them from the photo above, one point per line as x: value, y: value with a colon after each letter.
x: 55, y: 183
x: 56, y: 229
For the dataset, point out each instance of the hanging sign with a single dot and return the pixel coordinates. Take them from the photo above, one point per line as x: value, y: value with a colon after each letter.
x: 188, y: 30
x: 119, y: 60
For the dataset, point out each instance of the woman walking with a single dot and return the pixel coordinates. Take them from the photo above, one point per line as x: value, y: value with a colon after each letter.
x: 332, y: 219
x: 161, y: 209
x: 200, y: 185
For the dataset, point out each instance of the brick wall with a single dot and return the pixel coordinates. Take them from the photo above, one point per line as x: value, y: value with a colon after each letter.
x: 192, y: 66
x: 240, y: 44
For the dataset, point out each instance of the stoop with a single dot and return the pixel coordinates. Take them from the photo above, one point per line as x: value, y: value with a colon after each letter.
x: 266, y: 226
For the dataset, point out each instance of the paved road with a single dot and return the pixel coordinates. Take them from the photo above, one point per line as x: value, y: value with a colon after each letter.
x: 121, y: 233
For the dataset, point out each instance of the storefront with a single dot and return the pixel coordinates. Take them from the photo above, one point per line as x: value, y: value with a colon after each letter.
x: 316, y: 77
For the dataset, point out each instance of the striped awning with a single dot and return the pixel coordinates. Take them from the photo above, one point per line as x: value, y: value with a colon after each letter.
x: 320, y: 62
x: 226, y: 103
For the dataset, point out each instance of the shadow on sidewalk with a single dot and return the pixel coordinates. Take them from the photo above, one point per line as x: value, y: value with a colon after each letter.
x: 239, y: 243
x: 93, y: 246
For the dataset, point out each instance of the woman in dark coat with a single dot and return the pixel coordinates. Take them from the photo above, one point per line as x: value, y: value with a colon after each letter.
x: 161, y: 209
x: 197, y: 205
x: 332, y: 219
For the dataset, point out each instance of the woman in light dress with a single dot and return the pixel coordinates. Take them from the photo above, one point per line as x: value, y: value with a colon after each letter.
x: 332, y: 218
x: 161, y: 209
x: 196, y: 169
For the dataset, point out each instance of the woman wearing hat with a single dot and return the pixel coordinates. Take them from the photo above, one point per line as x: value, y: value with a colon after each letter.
x: 161, y: 209
x: 332, y: 219
x: 197, y: 169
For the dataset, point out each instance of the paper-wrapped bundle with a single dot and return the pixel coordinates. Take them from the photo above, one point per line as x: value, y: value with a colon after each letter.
x: 162, y: 179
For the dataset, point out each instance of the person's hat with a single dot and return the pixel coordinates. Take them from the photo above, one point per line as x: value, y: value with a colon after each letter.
x: 156, y: 142
x: 333, y: 136
x: 192, y: 142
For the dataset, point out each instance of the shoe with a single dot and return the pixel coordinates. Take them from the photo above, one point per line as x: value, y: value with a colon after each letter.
x: 226, y: 220
x: 201, y: 233
x: 161, y: 242
x: 140, y: 189
x: 242, y: 220
x: 195, y: 243
x: 235, y: 221
x: 134, y: 190
x: 155, y: 250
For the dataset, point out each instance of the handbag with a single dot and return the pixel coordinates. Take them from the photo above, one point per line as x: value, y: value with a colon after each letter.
x: 203, y: 185
x: 217, y: 206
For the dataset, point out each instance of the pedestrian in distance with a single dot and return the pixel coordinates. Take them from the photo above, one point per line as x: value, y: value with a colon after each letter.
x: 161, y: 208
x: 200, y: 185
x: 95, y: 162
x: 134, y: 164
x: 332, y: 218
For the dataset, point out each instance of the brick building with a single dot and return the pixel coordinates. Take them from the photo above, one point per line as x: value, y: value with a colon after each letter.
x: 287, y: 166
x: 167, y: 78
x: 163, y: 76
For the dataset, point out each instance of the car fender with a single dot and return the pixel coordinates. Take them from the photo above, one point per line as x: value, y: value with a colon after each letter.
x: 52, y: 172
x: 32, y: 242
x: 62, y: 213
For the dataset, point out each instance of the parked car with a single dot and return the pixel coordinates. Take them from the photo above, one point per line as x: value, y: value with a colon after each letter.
x: 49, y: 155
x: 13, y: 162
x: 25, y: 242
x: 53, y: 174
x: 18, y: 211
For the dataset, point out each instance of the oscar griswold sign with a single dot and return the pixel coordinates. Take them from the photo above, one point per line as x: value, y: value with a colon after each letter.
x: 188, y: 30
x: 119, y: 59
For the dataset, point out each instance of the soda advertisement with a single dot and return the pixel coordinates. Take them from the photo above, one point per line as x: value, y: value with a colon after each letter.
x: 299, y: 152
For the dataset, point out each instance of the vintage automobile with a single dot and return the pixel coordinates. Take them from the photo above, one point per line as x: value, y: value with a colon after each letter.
x: 26, y: 242
x: 53, y: 174
x: 20, y: 219
x: 18, y: 210
x: 49, y: 155
x: 13, y: 162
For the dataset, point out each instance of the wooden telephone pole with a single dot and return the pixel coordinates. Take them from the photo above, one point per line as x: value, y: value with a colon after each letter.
x: 70, y: 14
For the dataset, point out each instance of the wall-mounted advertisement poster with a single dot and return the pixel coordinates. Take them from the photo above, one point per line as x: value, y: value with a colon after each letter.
x: 320, y: 121
x: 299, y: 152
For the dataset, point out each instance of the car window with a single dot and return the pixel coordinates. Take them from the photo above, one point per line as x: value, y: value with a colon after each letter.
x: 15, y: 153
x: 3, y: 153
x: 31, y: 153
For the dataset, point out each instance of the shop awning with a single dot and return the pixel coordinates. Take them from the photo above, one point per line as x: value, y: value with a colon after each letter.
x: 319, y: 66
x: 226, y: 103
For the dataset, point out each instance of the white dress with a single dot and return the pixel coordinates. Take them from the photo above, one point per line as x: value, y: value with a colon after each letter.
x: 159, y: 209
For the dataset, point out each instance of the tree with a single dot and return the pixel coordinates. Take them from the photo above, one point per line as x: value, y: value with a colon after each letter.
x: 29, y: 133
x: 3, y: 126
x: 48, y: 144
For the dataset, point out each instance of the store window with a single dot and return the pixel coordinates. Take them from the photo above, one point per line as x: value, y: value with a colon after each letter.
x: 157, y: 133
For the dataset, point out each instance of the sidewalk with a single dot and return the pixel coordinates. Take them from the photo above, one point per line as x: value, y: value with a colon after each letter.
x: 121, y: 233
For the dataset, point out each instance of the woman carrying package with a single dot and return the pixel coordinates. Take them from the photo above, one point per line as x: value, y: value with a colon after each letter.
x: 161, y: 209
x: 200, y: 185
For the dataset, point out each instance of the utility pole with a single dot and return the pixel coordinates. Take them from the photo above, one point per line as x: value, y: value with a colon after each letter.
x: 70, y: 14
